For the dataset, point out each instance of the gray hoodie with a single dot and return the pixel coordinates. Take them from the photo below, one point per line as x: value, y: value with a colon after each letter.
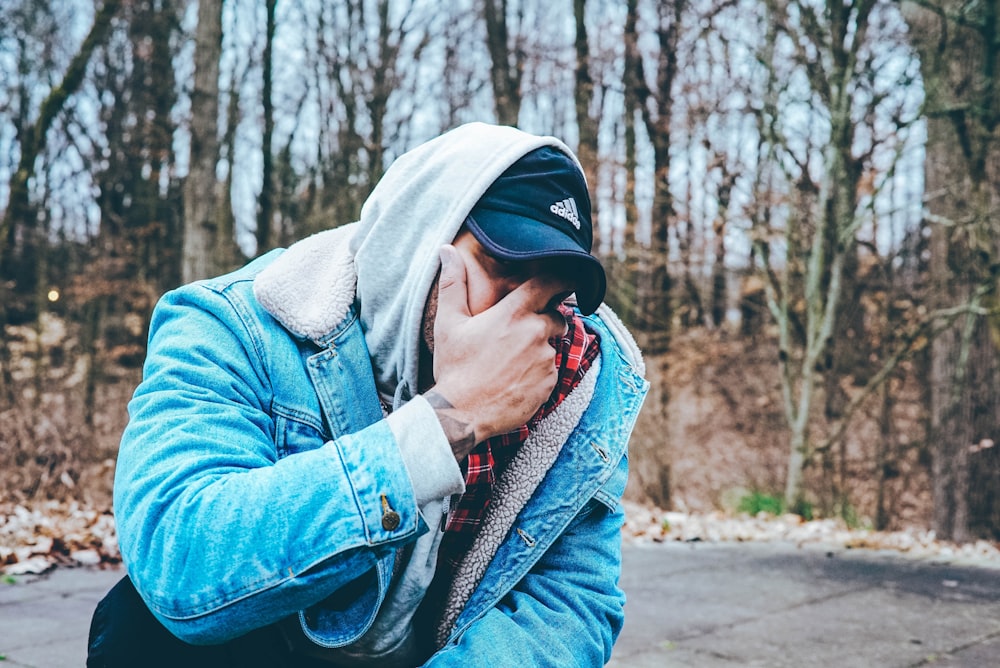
x: 417, y: 207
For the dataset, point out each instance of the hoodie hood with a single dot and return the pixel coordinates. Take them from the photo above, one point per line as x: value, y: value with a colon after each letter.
x: 418, y: 206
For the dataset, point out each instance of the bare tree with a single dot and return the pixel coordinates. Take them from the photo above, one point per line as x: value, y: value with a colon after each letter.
x: 138, y: 192
x: 461, y: 83
x: 588, y: 108
x: 834, y: 50
x: 650, y: 103
x: 655, y: 103
x: 265, y: 201
x: 960, y: 57
x: 507, y: 60
x: 364, y: 65
x: 209, y: 245
x: 32, y: 144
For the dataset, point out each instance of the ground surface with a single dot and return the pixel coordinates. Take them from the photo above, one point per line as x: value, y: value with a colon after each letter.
x: 698, y: 604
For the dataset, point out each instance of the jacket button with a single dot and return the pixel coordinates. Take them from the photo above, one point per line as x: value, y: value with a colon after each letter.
x: 390, y: 520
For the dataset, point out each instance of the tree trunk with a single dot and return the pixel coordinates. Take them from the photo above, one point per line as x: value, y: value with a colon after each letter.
x: 960, y: 57
x: 654, y: 314
x: 634, y: 94
x: 506, y: 65
x: 719, y: 301
x: 385, y: 80
x: 586, y: 117
x: 202, y: 192
x: 650, y: 314
x: 265, y: 203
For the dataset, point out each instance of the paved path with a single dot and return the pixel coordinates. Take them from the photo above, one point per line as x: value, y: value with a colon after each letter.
x: 44, y: 620
x: 703, y: 605
x: 771, y: 604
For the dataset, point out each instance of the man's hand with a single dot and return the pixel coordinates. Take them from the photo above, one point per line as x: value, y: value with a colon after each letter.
x: 492, y: 370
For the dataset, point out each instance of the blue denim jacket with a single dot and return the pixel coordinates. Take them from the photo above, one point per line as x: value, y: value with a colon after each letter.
x: 256, y: 470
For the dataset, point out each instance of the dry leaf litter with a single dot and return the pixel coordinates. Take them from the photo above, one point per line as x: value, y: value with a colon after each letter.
x: 36, y: 539
x: 644, y: 524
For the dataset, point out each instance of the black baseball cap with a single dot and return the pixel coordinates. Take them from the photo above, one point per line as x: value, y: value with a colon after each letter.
x: 540, y: 209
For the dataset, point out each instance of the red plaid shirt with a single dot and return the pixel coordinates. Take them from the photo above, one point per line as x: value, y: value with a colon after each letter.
x: 575, y: 353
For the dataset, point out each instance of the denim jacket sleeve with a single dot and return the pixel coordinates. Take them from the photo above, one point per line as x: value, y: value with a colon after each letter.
x: 219, y: 532
x: 568, y: 610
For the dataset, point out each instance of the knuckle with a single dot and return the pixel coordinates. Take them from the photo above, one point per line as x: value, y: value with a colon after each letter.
x: 446, y: 281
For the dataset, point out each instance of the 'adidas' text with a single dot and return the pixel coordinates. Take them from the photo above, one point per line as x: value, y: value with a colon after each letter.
x: 567, y: 209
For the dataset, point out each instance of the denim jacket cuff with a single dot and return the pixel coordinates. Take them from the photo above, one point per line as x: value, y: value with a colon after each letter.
x: 432, y: 468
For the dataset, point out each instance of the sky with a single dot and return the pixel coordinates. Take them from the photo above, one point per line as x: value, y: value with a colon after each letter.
x: 720, y: 64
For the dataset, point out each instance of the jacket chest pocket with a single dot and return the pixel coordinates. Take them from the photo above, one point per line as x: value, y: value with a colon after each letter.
x: 294, y: 433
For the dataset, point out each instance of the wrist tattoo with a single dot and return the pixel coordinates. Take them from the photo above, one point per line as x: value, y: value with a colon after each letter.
x: 459, y: 433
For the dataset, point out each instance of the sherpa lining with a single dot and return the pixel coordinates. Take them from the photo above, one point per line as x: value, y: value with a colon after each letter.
x: 310, y: 287
x: 523, y: 475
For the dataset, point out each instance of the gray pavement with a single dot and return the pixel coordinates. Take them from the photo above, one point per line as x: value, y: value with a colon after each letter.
x: 699, y: 604
x: 44, y: 620
x: 775, y: 605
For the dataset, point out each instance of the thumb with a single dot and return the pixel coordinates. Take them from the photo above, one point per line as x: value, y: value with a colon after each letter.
x: 453, y: 289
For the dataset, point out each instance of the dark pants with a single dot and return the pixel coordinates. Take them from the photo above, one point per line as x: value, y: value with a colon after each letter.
x: 124, y: 634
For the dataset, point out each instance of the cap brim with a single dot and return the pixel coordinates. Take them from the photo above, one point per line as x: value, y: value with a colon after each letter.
x: 519, y: 238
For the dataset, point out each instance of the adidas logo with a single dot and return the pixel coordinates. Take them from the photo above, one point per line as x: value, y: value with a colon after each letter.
x: 567, y: 209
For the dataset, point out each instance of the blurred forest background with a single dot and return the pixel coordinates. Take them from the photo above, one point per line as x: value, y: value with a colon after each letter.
x: 796, y: 202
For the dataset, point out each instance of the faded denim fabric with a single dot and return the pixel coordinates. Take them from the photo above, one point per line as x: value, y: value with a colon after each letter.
x: 233, y: 406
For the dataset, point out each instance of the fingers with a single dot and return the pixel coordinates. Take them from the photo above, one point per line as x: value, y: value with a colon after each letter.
x: 559, y: 326
x: 453, y: 289
x: 498, y: 391
x: 538, y: 294
x: 537, y: 298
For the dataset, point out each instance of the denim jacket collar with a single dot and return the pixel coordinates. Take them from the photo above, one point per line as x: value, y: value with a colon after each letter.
x: 310, y: 287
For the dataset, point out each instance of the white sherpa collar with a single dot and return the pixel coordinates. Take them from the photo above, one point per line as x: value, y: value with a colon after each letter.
x: 310, y: 287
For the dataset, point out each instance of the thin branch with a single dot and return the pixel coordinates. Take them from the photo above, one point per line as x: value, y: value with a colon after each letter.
x: 930, y: 327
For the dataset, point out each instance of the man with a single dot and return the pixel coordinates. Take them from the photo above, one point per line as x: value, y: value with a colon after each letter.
x: 394, y: 443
